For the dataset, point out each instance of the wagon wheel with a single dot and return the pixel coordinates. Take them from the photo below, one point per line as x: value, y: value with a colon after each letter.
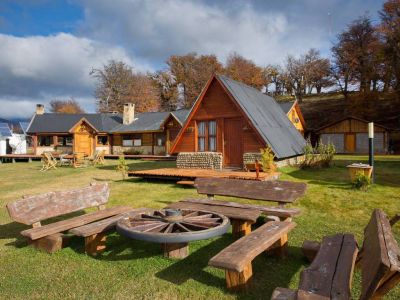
x: 161, y: 223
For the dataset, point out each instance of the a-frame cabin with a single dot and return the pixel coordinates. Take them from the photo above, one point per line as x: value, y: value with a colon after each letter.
x: 232, y: 118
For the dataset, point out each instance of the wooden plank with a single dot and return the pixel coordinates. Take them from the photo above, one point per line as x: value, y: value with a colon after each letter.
x: 250, y: 215
x: 106, y: 224
x: 186, y: 182
x: 331, y: 270
x: 236, y: 256
x: 279, y: 191
x: 380, y: 255
x: 266, y: 210
x: 32, y: 209
x: 283, y: 294
x: 39, y: 232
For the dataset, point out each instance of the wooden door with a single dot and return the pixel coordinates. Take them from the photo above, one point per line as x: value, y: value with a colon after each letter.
x: 83, y: 140
x: 233, y: 145
x: 350, y: 142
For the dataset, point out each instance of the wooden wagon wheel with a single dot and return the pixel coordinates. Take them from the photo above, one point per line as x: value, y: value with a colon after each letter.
x: 174, y: 228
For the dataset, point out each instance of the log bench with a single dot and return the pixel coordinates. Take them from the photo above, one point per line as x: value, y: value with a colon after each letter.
x: 236, y: 258
x: 32, y: 210
x: 330, y: 274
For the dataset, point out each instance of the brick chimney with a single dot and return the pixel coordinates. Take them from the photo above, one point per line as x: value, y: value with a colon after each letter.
x: 39, y: 109
x: 129, y: 113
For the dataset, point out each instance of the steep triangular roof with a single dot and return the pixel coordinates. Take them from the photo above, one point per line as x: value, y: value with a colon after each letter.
x: 264, y: 114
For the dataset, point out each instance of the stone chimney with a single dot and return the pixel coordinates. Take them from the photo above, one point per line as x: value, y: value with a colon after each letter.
x: 129, y: 113
x: 39, y: 109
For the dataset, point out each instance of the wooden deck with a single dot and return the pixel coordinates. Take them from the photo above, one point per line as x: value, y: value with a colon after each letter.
x: 191, y: 174
x: 29, y: 157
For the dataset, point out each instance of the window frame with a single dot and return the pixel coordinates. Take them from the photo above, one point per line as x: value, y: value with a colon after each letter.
x: 206, y: 136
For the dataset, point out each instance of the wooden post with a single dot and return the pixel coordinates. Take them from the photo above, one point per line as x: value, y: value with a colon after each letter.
x: 239, y: 280
x: 257, y: 165
x: 178, y: 250
x: 240, y: 228
x: 152, y: 143
x: 55, y: 141
x: 95, y: 243
x: 280, y: 247
x: 35, y: 144
x: 50, y: 243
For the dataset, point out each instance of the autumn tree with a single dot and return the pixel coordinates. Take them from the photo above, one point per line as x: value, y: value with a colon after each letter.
x: 167, y: 89
x: 244, y: 70
x: 117, y: 84
x: 70, y: 106
x: 390, y: 32
x: 316, y: 71
x: 356, y: 55
x: 294, y: 76
x: 191, y: 73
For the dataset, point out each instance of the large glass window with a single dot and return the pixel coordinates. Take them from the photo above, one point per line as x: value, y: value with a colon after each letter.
x: 207, y: 136
x: 45, y: 140
x: 64, y: 140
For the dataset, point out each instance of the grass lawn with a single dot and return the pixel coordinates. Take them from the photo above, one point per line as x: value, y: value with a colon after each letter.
x: 137, y: 270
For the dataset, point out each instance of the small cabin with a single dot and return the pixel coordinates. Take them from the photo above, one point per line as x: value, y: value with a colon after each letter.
x: 293, y: 112
x: 233, y: 119
x: 350, y: 135
x: 147, y: 133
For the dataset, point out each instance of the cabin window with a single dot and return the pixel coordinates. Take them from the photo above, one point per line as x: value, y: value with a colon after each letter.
x: 201, y: 136
x: 45, y: 140
x: 207, y: 136
x: 127, y: 140
x: 102, y: 140
x: 64, y: 140
x: 160, y: 139
x: 212, y: 136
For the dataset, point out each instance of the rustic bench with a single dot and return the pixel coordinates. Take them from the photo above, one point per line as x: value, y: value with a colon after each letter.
x: 32, y: 210
x: 236, y: 258
x: 242, y: 216
x: 330, y: 274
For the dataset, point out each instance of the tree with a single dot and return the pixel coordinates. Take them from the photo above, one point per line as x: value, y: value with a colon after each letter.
x: 390, y: 31
x: 294, y: 76
x: 70, y: 106
x: 191, y: 73
x: 117, y: 84
x: 167, y: 89
x: 356, y: 55
x: 316, y: 71
x: 244, y: 70
x: 113, y: 86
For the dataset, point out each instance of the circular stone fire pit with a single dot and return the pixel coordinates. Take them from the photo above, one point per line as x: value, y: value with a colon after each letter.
x: 174, y: 228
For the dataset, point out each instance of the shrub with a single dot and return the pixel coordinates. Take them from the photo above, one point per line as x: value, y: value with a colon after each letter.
x: 320, y: 156
x: 361, y: 181
x: 267, y: 159
x: 122, y: 166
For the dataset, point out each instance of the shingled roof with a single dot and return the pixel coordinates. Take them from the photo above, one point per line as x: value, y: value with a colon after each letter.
x: 57, y: 122
x: 147, y: 121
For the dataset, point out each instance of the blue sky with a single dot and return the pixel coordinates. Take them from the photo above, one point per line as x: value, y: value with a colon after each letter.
x: 47, y: 48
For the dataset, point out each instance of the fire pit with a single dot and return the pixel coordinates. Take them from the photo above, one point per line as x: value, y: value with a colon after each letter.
x: 174, y: 228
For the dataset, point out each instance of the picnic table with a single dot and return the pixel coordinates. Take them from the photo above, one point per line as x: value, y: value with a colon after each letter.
x: 174, y: 229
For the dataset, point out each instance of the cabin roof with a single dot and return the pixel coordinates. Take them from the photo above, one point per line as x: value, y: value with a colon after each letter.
x: 286, y: 106
x: 147, y: 121
x: 181, y: 115
x: 268, y: 119
x: 57, y: 122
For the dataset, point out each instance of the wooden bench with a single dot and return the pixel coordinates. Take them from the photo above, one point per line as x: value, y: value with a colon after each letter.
x: 283, y: 192
x: 242, y: 216
x: 32, y: 210
x: 326, y: 278
x: 236, y: 258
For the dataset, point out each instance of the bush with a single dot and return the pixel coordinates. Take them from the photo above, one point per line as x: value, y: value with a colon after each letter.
x: 319, y: 157
x: 133, y: 152
x: 122, y: 166
x: 267, y: 160
x: 361, y: 181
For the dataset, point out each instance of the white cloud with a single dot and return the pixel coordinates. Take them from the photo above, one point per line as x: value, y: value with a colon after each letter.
x: 156, y: 29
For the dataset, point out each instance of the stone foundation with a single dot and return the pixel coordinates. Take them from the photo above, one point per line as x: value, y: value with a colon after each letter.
x: 199, y: 160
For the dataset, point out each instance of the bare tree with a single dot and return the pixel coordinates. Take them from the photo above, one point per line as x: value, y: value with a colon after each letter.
x: 70, y: 106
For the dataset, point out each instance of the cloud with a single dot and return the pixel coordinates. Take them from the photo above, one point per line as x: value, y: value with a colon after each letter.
x: 41, y: 68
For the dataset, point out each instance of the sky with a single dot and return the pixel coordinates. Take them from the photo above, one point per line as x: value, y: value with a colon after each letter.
x: 49, y: 47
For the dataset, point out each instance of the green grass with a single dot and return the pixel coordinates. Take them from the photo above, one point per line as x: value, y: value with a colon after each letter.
x: 137, y: 270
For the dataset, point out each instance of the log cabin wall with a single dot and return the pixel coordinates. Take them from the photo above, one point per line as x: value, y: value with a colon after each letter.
x: 217, y: 105
x: 350, y: 126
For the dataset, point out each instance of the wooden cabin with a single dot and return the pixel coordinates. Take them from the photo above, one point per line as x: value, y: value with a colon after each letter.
x: 293, y: 112
x: 232, y: 118
x: 350, y: 135
x: 128, y: 133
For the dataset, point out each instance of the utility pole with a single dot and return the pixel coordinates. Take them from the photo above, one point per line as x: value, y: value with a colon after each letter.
x: 371, y: 149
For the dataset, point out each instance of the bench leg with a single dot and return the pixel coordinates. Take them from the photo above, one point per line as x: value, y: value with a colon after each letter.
x: 95, y: 243
x: 310, y: 249
x: 239, y: 280
x: 240, y: 228
x: 178, y: 250
x: 50, y: 243
x: 279, y: 248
